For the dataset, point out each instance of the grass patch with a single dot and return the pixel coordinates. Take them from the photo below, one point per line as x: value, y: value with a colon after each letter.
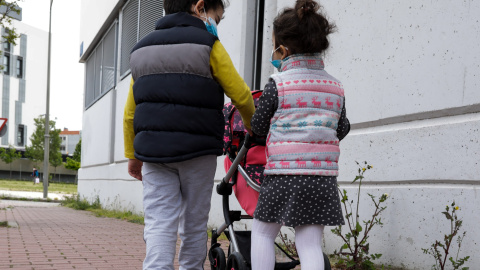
x: 77, y: 203
x: 4, y: 197
x: 221, y: 237
x: 4, y: 224
x: 124, y: 215
x: 16, y: 185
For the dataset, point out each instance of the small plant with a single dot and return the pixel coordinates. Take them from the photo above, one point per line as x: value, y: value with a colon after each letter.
x: 355, y: 252
x: 437, y: 248
x: 288, y: 245
x: 77, y: 203
x: 4, y: 224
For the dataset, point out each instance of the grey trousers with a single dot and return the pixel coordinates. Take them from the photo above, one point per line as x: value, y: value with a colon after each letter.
x: 176, y: 200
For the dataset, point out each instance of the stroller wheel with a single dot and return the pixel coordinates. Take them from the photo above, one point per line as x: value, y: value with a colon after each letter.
x: 217, y: 258
x: 327, y: 262
x: 236, y: 262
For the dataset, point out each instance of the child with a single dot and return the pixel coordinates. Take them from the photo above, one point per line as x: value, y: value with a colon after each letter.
x: 173, y: 126
x: 302, y: 112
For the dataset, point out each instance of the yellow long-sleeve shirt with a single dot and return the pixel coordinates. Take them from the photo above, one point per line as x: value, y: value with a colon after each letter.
x: 223, y: 72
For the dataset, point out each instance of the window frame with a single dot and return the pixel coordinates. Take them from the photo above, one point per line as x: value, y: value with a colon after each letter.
x: 92, y: 57
x: 7, y: 46
x: 138, y: 38
x: 19, y: 67
x: 7, y: 66
x: 128, y: 71
x: 22, y: 142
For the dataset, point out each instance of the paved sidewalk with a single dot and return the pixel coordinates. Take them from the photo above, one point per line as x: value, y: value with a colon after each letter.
x: 50, y: 236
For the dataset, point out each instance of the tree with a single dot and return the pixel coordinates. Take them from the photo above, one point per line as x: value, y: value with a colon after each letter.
x: 10, y: 7
x: 77, y: 154
x: 74, y: 162
x: 35, y: 152
x: 56, y: 161
x: 9, y: 156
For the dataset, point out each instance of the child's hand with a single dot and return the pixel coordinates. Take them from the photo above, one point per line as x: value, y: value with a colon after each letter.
x: 249, y: 130
x: 135, y: 168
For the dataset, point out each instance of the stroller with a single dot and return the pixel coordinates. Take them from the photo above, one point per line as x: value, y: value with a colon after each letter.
x: 244, y: 163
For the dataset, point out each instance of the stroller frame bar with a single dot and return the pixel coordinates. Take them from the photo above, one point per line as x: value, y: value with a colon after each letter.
x: 222, y: 229
x: 236, y: 162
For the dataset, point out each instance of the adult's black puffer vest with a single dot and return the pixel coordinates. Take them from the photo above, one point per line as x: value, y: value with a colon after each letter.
x: 178, y: 113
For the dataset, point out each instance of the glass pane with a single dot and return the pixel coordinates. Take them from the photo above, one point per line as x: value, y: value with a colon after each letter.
x: 90, y: 80
x: 108, y: 75
x: 129, y: 34
x: 98, y: 69
x: 150, y: 12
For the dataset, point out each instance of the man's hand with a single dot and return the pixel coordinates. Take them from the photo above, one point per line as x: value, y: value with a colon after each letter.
x: 135, y: 168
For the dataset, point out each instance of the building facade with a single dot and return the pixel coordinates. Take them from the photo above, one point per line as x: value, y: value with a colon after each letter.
x: 70, y: 139
x: 410, y: 71
x: 23, y: 83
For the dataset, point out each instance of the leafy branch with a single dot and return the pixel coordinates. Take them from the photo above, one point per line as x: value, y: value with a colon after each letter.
x: 355, y: 251
x: 440, y: 250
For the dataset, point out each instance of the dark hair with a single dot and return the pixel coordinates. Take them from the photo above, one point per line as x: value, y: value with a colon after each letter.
x: 174, y: 6
x: 302, y: 29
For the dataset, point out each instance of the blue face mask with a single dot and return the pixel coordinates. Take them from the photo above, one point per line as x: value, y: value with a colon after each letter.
x: 211, y: 25
x: 276, y: 63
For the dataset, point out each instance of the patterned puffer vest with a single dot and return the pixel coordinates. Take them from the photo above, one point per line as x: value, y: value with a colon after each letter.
x: 303, y: 138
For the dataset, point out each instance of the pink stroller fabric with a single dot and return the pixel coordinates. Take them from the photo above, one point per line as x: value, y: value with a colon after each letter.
x: 253, y: 162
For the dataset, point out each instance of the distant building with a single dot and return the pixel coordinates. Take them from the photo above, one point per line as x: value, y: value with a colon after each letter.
x: 70, y: 139
x: 23, y: 83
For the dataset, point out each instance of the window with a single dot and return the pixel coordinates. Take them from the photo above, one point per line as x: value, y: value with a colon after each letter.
x: 138, y: 20
x: 6, y: 46
x: 19, y: 67
x: 101, y: 67
x: 21, y: 135
x: 64, y: 138
x: 6, y: 63
x: 62, y: 148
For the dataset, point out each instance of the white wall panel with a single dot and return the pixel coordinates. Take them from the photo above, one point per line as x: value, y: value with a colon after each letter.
x: 122, y: 92
x: 96, y: 133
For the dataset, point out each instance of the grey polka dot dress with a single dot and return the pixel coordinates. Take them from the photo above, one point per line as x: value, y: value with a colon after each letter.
x: 295, y: 200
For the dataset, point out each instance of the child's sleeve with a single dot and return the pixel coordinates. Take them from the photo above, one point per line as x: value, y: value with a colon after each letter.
x: 343, y: 124
x: 128, y: 132
x: 234, y: 86
x: 267, y: 106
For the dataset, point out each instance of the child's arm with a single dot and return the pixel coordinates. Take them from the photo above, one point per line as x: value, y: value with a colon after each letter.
x: 343, y: 124
x: 134, y: 165
x: 234, y: 86
x: 128, y: 132
x: 268, y: 105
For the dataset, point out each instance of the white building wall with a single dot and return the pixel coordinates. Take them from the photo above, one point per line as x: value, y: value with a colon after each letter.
x: 410, y: 71
x: 35, y: 74
x: 94, y: 13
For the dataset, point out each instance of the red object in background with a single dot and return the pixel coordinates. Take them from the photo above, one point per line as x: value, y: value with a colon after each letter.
x: 3, y: 129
